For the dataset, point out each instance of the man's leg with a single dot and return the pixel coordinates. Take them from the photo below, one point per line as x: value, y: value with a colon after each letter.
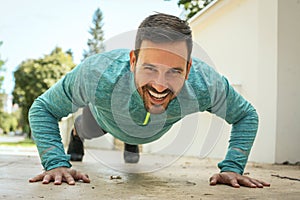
x: 131, y: 153
x: 75, y: 148
x: 86, y: 127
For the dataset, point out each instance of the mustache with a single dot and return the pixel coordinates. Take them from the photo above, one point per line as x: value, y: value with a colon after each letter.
x: 148, y: 87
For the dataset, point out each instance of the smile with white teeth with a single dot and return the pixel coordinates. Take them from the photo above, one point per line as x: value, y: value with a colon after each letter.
x: 158, y: 96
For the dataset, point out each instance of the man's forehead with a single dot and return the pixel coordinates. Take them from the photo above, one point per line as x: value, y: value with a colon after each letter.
x: 178, y: 48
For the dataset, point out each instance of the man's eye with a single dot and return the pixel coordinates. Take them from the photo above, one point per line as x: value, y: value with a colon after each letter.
x: 176, y: 71
x: 150, y: 69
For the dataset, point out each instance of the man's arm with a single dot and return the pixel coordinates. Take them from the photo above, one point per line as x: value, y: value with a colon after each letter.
x: 44, y: 126
x: 66, y: 96
x: 231, y: 106
x: 244, y: 119
x: 44, y: 114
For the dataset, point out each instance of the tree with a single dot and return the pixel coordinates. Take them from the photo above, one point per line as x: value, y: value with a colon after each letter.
x: 2, y: 62
x: 9, y: 121
x: 2, y: 95
x: 95, y: 44
x: 193, y: 6
x: 35, y: 76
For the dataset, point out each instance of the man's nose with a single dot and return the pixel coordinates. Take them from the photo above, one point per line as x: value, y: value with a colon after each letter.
x: 160, y: 83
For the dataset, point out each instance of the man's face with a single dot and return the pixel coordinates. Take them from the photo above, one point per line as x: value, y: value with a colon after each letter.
x: 160, y: 72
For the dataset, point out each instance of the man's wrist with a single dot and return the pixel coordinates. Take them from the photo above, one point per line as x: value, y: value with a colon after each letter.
x: 58, y: 161
x: 62, y: 164
x: 230, y: 166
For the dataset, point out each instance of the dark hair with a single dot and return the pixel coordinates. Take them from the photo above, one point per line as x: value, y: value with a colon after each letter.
x: 164, y: 28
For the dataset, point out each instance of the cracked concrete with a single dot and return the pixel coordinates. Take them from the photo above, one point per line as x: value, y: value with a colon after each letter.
x: 186, y: 178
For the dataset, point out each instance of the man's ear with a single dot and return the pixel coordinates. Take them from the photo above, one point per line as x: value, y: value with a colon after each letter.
x: 132, y: 60
x: 188, y: 68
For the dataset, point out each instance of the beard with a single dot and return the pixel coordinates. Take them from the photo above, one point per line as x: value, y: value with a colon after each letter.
x: 156, y: 102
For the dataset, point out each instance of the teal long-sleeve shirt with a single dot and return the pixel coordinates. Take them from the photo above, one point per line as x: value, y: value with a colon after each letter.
x: 105, y: 83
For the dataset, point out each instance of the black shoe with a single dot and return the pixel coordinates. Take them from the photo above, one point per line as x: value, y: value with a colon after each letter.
x: 75, y: 148
x: 131, y: 153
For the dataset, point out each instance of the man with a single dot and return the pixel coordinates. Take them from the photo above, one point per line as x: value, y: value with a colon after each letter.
x: 137, y: 96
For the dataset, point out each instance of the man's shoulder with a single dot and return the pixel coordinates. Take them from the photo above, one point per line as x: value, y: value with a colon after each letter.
x: 203, y: 75
x: 199, y: 68
x: 117, y: 59
x: 198, y: 63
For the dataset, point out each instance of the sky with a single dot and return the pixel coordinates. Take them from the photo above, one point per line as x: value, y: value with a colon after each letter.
x: 33, y: 28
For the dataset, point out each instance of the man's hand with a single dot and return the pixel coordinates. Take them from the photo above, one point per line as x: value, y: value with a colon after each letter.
x: 59, y: 175
x: 236, y: 180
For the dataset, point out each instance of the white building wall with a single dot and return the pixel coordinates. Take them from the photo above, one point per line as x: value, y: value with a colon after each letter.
x: 266, y: 99
x: 240, y: 36
x: 288, y: 118
x: 256, y: 45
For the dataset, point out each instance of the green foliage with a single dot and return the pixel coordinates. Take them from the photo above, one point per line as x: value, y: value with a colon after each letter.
x: 2, y: 69
x: 193, y: 6
x: 8, y: 122
x: 27, y: 142
x: 95, y: 44
x: 35, y: 76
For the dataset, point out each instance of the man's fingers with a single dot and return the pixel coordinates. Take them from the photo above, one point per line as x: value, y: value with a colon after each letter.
x: 85, y: 178
x: 57, y: 180
x: 236, y: 180
x: 213, y: 180
x: 77, y: 175
x: 59, y: 175
x: 257, y: 183
x: 245, y: 181
x: 234, y: 183
x: 69, y: 178
x: 217, y: 178
x: 47, y: 178
x: 37, y: 178
x: 265, y: 183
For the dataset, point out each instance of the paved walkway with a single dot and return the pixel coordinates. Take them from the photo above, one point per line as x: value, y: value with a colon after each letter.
x: 5, y: 138
x: 186, y: 178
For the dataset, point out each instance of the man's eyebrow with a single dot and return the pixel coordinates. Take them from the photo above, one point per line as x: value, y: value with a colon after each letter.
x: 149, y: 65
x: 172, y: 68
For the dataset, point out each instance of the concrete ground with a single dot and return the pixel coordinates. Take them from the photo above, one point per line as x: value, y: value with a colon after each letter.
x: 185, y: 178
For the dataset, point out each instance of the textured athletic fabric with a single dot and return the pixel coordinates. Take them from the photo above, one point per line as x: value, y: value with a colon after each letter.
x: 105, y: 84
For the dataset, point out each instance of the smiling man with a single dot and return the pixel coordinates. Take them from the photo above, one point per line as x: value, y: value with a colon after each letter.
x: 159, y: 72
x: 137, y: 96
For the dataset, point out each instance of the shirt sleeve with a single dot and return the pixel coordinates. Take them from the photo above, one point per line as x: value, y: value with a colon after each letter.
x: 63, y: 98
x: 226, y: 103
